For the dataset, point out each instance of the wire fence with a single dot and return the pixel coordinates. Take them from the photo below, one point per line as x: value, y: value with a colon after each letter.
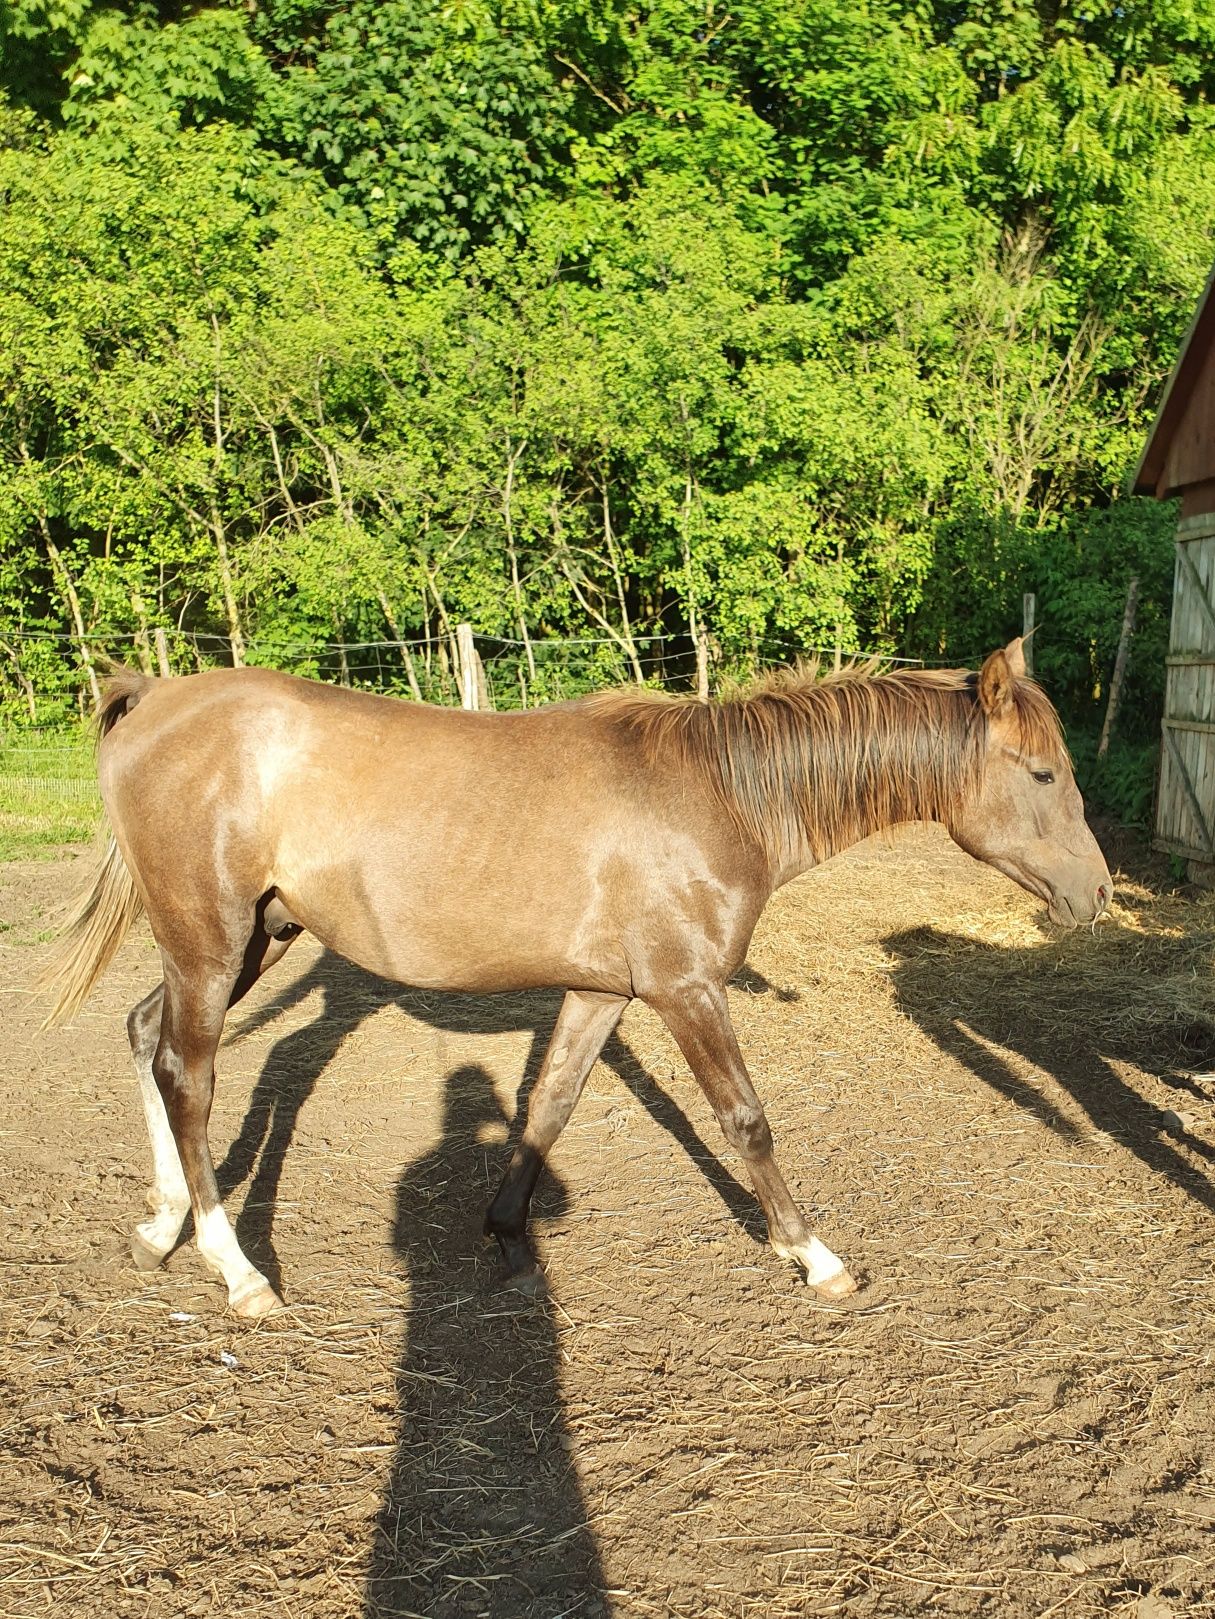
x: 48, y: 784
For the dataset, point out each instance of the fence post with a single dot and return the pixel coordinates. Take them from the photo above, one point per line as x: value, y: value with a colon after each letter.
x: 467, y: 653
x: 161, y: 643
x: 702, y: 663
x: 1029, y: 608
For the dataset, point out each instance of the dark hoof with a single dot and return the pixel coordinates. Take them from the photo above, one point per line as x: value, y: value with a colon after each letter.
x: 143, y: 1255
x: 531, y: 1281
x: 517, y: 1252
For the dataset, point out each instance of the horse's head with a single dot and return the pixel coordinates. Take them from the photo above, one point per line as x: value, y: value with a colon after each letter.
x: 1027, y: 817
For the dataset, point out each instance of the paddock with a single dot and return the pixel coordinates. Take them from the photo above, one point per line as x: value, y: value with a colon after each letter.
x: 999, y: 1129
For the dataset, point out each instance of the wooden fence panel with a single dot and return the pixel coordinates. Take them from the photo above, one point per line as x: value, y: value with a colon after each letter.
x: 1185, y: 804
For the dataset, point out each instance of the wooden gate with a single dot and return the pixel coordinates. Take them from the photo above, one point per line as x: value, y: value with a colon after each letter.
x: 1185, y: 805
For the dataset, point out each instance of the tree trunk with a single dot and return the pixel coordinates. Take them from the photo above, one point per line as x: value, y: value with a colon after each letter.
x: 235, y: 633
x: 343, y: 663
x: 73, y: 601
x: 390, y: 619
x: 839, y: 623
x: 445, y: 625
x: 24, y: 681
x: 697, y: 628
x: 64, y: 580
x: 1124, y: 645
x: 609, y: 537
x: 143, y: 644
x: 516, y: 586
x: 623, y: 638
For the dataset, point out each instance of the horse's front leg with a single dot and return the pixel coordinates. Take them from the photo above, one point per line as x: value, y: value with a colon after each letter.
x: 583, y: 1024
x: 699, y: 1018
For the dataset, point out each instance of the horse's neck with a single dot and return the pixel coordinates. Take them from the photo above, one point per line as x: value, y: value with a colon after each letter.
x: 860, y: 791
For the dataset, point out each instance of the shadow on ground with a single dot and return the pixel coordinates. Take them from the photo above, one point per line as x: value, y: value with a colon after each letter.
x: 1061, y: 1011
x: 483, y: 1514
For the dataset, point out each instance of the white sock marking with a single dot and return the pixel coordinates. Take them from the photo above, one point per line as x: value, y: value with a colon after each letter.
x: 169, y: 1196
x: 821, y: 1264
x: 815, y: 1258
x: 218, y: 1245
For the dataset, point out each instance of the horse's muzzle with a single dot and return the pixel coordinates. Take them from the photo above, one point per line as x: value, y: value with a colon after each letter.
x: 1073, y: 911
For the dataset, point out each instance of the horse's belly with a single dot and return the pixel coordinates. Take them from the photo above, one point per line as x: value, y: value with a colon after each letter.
x: 482, y: 959
x: 528, y: 882
x: 481, y: 936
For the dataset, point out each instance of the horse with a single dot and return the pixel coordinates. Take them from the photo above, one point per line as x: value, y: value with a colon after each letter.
x: 619, y: 846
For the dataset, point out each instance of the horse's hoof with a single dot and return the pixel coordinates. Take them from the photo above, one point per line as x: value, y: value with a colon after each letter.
x: 531, y: 1281
x: 143, y: 1255
x: 260, y: 1300
x: 838, y: 1286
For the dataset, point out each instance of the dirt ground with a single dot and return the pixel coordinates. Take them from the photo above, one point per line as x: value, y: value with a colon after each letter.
x: 1012, y: 1417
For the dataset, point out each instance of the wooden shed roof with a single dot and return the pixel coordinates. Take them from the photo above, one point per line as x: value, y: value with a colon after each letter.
x: 1152, y: 475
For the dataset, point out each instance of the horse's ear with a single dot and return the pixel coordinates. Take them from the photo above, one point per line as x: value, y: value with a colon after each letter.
x: 996, y: 682
x: 1015, y: 653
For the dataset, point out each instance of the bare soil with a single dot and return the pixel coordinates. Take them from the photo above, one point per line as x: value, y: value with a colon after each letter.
x: 1013, y: 1417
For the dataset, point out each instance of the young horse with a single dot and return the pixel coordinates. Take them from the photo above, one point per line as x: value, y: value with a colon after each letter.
x: 619, y: 846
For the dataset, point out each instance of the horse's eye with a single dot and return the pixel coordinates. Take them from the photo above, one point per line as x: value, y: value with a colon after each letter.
x: 1044, y: 776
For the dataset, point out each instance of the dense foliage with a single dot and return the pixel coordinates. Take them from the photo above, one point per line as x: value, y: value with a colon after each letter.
x: 787, y: 325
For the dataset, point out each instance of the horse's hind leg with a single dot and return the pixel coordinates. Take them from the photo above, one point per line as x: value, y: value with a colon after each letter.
x: 700, y: 1021
x: 169, y: 1197
x: 196, y: 1001
x: 583, y: 1024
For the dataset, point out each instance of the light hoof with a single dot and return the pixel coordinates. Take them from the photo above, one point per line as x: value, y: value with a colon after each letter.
x: 143, y: 1256
x: 824, y: 1271
x: 253, y: 1302
x: 838, y: 1286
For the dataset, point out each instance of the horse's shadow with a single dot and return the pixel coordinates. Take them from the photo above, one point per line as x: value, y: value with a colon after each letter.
x: 350, y: 996
x: 483, y: 1512
x: 980, y: 1002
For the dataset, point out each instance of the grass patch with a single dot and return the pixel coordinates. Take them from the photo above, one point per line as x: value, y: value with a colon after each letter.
x: 48, y: 795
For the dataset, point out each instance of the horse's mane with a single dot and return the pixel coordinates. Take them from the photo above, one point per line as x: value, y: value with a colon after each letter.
x: 801, y: 758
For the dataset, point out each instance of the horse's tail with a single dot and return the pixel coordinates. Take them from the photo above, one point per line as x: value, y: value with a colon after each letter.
x: 121, y: 692
x: 106, y: 909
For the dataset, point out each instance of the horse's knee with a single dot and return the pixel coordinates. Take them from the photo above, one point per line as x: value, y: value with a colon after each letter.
x: 747, y: 1130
